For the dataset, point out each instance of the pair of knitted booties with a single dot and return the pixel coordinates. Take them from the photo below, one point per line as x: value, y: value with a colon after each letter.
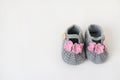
x: 76, y: 49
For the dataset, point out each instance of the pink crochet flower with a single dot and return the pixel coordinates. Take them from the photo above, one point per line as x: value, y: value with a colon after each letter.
x: 68, y: 45
x: 99, y: 48
x: 91, y: 46
x: 77, y: 48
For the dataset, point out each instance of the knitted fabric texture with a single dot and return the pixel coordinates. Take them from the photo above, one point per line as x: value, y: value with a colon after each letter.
x: 71, y: 53
x: 95, y: 48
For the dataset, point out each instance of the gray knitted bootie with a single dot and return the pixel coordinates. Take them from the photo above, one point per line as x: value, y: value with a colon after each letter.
x: 95, y: 45
x: 73, y: 46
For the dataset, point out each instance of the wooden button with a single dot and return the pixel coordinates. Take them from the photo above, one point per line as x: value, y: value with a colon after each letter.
x: 64, y: 36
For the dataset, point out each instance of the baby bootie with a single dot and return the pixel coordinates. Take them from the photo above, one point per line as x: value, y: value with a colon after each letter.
x: 73, y: 46
x: 95, y: 44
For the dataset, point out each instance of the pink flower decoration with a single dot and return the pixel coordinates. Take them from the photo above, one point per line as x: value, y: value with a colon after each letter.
x: 91, y: 46
x: 77, y: 48
x: 99, y: 48
x: 68, y: 45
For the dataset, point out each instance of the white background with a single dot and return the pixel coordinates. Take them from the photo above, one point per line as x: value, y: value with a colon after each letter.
x: 31, y: 41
